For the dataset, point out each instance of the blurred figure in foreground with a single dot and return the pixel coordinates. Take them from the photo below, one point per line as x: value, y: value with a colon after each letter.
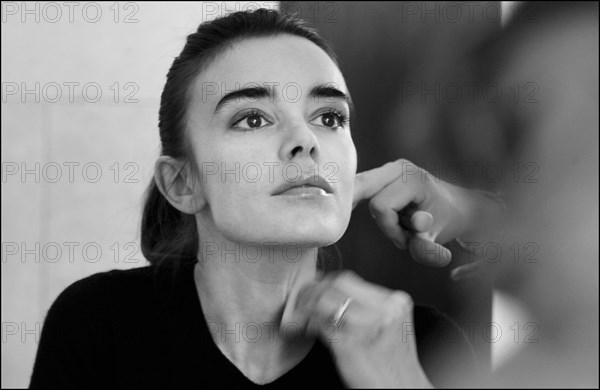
x: 547, y: 60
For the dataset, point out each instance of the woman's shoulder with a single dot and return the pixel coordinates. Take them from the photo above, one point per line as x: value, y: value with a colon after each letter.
x: 99, y: 328
x: 108, y: 294
x: 91, y: 312
x: 104, y: 287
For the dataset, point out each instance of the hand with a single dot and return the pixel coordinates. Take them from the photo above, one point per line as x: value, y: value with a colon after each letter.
x: 414, y: 209
x: 374, y: 346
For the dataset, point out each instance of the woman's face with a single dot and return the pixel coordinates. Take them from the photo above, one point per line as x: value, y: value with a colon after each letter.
x: 284, y: 126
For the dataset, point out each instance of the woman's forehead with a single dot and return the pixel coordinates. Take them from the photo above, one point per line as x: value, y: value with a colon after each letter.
x: 276, y: 62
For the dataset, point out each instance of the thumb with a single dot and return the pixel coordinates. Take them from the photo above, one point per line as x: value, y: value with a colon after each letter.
x: 415, y: 219
x: 294, y: 322
x: 428, y: 252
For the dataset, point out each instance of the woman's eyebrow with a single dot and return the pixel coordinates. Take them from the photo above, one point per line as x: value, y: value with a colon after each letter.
x: 326, y: 91
x: 244, y: 93
x: 320, y: 91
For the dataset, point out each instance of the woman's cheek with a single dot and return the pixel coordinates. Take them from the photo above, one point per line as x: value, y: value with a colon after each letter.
x: 239, y: 211
x: 348, y: 174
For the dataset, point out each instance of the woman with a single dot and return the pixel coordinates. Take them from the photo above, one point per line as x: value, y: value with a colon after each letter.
x: 257, y: 172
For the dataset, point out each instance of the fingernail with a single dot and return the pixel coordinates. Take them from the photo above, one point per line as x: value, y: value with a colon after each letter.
x: 422, y: 221
x: 455, y: 274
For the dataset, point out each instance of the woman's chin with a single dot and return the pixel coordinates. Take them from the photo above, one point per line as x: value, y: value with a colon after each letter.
x: 318, y: 232
x: 302, y: 234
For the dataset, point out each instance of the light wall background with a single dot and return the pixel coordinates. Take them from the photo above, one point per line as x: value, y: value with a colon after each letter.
x: 54, y: 221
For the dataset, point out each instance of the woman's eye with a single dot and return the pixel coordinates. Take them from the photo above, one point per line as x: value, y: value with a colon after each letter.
x: 251, y: 121
x: 329, y: 120
x: 333, y: 120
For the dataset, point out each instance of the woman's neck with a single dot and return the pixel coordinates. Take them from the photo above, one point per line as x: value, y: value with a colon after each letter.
x: 245, y: 290
x: 243, y: 297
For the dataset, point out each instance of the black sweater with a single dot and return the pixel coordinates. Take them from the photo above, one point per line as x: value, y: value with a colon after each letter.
x: 142, y: 328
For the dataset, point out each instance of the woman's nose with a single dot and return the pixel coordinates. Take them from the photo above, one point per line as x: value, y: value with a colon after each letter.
x: 300, y: 142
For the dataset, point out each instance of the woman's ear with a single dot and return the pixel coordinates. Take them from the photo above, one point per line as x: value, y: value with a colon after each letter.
x: 175, y: 182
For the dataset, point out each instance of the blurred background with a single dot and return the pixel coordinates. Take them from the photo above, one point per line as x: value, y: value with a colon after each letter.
x: 461, y: 89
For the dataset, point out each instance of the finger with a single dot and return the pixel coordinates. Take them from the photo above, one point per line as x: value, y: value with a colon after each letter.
x: 289, y: 316
x: 319, y: 301
x: 428, y: 252
x: 297, y: 314
x: 351, y: 284
x: 417, y: 220
x: 323, y: 294
x: 319, y: 306
x: 401, y: 300
x: 388, y: 202
x: 388, y: 222
x: 368, y: 183
x: 293, y: 322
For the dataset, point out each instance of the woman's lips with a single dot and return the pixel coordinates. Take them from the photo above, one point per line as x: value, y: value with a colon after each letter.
x: 307, y: 181
x: 305, y: 190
